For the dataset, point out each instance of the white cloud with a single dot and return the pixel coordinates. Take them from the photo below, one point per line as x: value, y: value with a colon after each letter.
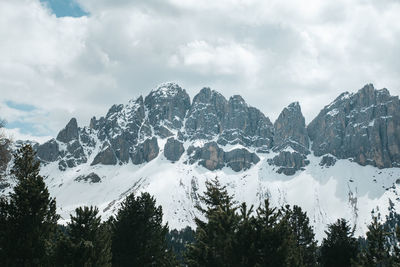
x: 270, y: 52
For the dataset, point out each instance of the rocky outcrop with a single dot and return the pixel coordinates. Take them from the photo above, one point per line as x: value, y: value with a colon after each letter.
x: 91, y: 178
x: 105, y: 157
x: 364, y: 126
x: 167, y: 106
x: 245, y: 125
x: 290, y: 140
x: 232, y: 121
x: 327, y: 161
x: 212, y: 157
x: 240, y: 159
x: 290, y: 130
x: 204, y: 119
x: 145, y: 152
x: 48, y: 152
x: 173, y: 149
x: 289, y: 162
x: 69, y: 133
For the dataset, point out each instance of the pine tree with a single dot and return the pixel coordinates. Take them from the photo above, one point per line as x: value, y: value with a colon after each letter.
x: 304, y: 236
x: 31, y: 217
x: 87, y: 242
x: 139, y: 237
x: 274, y: 240
x: 179, y: 240
x: 339, y: 247
x: 215, y: 238
x: 376, y: 252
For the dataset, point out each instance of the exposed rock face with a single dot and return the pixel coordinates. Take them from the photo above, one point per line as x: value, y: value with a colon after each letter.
x: 69, y: 133
x: 167, y: 106
x: 146, y: 151
x: 91, y: 178
x: 290, y: 129
x: 364, y: 126
x: 49, y: 151
x: 290, y: 140
x: 105, y: 157
x: 233, y: 121
x: 240, y: 159
x: 173, y: 149
x: 212, y: 157
x: 204, y: 119
x: 289, y: 162
x: 327, y: 161
x: 245, y: 125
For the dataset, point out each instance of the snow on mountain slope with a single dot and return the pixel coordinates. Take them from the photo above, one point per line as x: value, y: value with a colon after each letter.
x: 344, y: 190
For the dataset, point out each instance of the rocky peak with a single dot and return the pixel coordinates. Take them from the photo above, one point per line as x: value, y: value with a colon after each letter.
x: 205, y: 115
x: 69, y: 133
x: 167, y: 106
x: 363, y: 126
x: 290, y: 129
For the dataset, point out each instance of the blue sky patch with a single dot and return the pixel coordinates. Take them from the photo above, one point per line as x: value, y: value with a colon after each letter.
x: 20, y: 106
x: 65, y: 8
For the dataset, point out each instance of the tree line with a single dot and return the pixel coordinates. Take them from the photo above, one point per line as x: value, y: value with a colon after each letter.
x: 227, y: 233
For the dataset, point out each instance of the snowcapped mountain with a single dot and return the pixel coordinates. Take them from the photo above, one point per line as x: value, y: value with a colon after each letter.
x: 345, y: 163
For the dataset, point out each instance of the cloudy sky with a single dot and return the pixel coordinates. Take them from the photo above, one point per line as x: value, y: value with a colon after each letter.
x: 75, y: 58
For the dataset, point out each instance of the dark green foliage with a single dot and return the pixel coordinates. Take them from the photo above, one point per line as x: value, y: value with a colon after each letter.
x: 29, y: 215
x: 87, y: 241
x: 179, y: 240
x: 215, y: 236
x: 139, y: 237
x: 232, y: 236
x: 339, y: 247
x: 303, y: 234
x: 376, y: 251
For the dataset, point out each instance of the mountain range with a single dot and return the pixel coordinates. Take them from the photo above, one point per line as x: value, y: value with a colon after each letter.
x: 344, y: 163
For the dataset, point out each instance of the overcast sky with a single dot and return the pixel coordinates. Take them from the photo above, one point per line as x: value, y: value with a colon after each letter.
x: 62, y: 59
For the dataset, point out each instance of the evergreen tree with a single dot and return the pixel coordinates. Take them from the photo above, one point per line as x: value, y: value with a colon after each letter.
x: 376, y: 252
x: 139, y: 237
x: 274, y: 240
x: 215, y: 238
x: 30, y: 215
x: 88, y: 241
x: 339, y: 247
x: 304, y: 236
x: 179, y: 241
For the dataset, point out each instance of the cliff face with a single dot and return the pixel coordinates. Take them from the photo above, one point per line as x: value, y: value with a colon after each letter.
x: 364, y: 127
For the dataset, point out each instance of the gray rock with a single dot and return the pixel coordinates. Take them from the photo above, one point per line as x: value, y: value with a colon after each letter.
x: 245, y: 125
x: 105, y: 157
x: 48, y: 152
x: 91, y: 178
x: 240, y: 159
x: 173, y: 149
x: 364, y: 126
x: 327, y: 161
x: 69, y: 133
x: 212, y: 157
x: 290, y: 130
x: 145, y: 152
x: 167, y: 106
x: 289, y: 162
x: 204, y: 119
